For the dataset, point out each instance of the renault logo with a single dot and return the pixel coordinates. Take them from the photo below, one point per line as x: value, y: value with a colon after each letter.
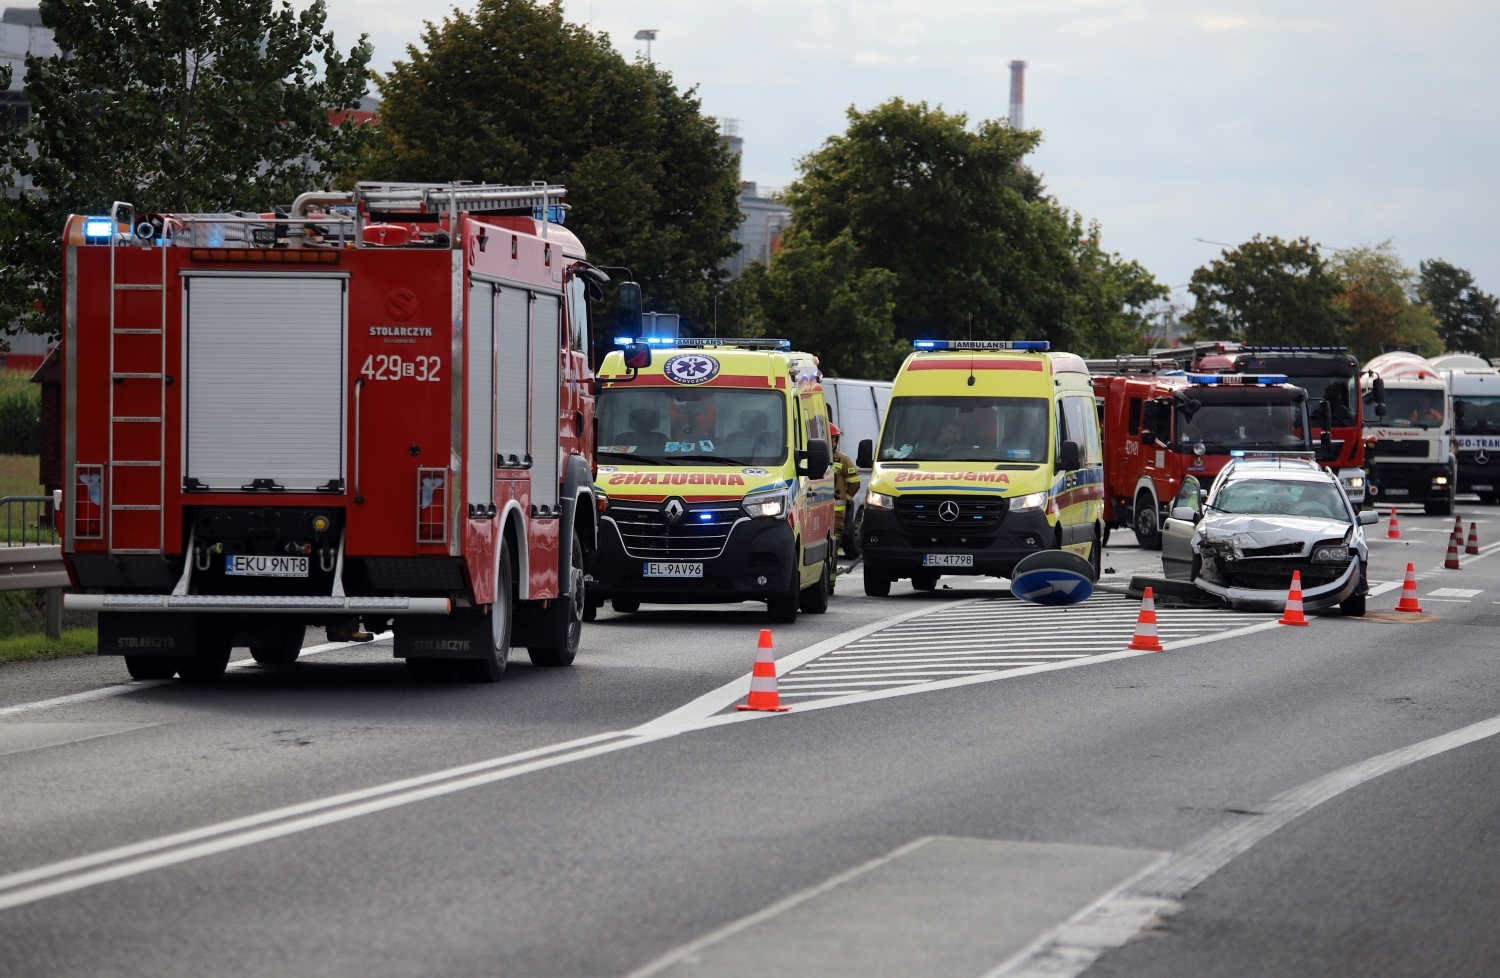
x: 948, y: 510
x: 674, y: 510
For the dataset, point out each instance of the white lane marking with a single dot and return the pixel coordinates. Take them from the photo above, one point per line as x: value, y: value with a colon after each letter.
x: 138, y: 684
x: 687, y: 950
x: 1078, y: 943
x: 1455, y: 592
x: 1377, y: 589
x: 69, y: 875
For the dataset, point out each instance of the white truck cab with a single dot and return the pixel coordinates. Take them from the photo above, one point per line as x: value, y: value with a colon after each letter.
x: 1408, y: 433
x: 1475, y: 388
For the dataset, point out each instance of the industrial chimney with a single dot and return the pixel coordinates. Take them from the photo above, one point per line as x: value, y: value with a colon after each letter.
x: 1017, y: 94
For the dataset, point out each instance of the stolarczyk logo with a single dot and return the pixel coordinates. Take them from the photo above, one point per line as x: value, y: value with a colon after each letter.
x: 691, y: 368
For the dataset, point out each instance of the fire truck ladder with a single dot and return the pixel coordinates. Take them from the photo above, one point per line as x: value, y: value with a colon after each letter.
x: 445, y: 198
x: 138, y: 388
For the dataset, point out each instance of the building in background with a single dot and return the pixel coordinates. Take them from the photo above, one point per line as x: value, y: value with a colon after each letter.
x: 759, y: 236
x: 21, y: 33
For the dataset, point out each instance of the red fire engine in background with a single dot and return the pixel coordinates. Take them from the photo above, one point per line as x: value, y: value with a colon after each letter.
x: 368, y: 410
x: 1163, y: 425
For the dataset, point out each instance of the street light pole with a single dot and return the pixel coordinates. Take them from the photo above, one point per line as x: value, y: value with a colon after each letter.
x: 648, y: 36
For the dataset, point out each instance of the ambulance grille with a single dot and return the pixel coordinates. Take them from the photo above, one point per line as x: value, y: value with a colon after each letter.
x: 647, y: 534
x: 975, y: 517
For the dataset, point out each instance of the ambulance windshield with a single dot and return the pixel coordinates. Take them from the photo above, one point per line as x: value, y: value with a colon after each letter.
x: 676, y: 425
x: 965, y: 429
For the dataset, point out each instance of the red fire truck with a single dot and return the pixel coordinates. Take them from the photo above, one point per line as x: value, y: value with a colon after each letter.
x: 1163, y: 425
x: 366, y: 410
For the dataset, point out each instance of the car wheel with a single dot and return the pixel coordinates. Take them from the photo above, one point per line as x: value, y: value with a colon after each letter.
x: 1147, y: 524
x: 782, y: 608
x: 814, y: 600
x: 924, y: 581
x: 625, y: 606
x: 1353, y: 605
x: 850, y: 538
x: 1096, y: 556
x: 877, y: 585
x: 283, y: 653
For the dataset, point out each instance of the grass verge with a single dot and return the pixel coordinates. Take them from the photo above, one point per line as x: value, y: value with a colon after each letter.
x: 25, y: 648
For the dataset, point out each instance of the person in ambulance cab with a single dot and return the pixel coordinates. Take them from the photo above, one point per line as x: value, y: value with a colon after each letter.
x: 845, y: 483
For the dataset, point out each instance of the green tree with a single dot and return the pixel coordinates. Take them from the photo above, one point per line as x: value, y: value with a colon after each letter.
x: 965, y: 231
x: 186, y: 105
x: 1382, y: 301
x: 1469, y: 318
x: 1268, y: 291
x: 513, y: 93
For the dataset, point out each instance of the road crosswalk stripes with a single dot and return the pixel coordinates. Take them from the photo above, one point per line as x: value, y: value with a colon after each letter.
x: 989, y: 635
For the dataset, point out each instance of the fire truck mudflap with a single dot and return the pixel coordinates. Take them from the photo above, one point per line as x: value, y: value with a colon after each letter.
x: 369, y: 410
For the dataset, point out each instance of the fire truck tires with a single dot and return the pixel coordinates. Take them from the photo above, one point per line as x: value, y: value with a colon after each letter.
x: 567, y: 618
x: 215, y: 641
x: 151, y: 666
x: 490, y: 667
x: 877, y: 585
x: 814, y: 600
x: 279, y: 645
x: 1147, y: 522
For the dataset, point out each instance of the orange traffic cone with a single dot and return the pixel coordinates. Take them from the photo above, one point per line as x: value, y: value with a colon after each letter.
x: 1408, y: 600
x: 1145, y: 639
x: 1458, y: 528
x: 764, y: 695
x: 1451, y: 561
x: 1293, y: 614
x: 1473, y: 545
x: 1394, y: 533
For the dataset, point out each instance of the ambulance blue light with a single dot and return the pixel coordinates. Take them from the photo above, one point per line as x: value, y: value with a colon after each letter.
x: 96, y: 227
x: 706, y: 517
x: 1235, y: 380
x: 1030, y: 346
x: 648, y: 340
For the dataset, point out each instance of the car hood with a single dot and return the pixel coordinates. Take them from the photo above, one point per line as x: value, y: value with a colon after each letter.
x: 1241, y: 533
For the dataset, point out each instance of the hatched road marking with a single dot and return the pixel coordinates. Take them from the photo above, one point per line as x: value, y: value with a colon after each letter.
x: 989, y: 635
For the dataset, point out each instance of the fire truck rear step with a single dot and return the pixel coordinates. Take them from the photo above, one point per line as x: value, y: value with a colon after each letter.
x: 270, y: 604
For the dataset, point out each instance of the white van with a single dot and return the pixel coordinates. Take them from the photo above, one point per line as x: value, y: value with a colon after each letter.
x: 858, y: 408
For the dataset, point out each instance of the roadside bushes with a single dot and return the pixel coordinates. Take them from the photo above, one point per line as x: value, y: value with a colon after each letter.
x: 20, y: 415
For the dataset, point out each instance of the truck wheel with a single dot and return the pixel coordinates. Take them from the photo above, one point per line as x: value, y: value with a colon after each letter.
x: 625, y: 606
x: 571, y: 624
x: 1147, y: 523
x: 215, y: 641
x: 814, y: 600
x: 783, y: 607
x: 1353, y: 605
x: 924, y: 581
x: 151, y: 666
x: 285, y: 652
x: 877, y: 584
x: 1442, y: 507
x: 490, y: 668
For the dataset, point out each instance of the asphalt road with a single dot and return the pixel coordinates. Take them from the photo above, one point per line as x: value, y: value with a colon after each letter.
x: 947, y: 826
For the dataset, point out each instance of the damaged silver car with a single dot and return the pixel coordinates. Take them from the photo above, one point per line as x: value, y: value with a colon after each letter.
x: 1263, y: 519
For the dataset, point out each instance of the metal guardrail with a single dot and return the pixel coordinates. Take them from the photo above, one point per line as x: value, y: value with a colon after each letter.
x: 32, y: 556
x: 34, y: 524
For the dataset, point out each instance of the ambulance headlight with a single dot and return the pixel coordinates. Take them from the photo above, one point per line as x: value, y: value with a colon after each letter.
x: 1030, y: 503
x: 879, y: 500
x: 772, y: 505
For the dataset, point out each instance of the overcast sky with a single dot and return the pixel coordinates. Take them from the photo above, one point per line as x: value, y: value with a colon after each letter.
x: 1351, y: 121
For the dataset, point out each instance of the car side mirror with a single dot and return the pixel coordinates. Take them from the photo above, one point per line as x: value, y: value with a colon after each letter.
x: 1458, y: 411
x: 814, y: 462
x: 866, y: 457
x: 1368, y: 517
x: 1185, y: 513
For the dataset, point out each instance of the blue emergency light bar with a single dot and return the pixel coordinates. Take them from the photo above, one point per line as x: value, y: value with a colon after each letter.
x: 1029, y: 346
x: 1235, y: 380
x: 709, y: 343
x: 97, y: 227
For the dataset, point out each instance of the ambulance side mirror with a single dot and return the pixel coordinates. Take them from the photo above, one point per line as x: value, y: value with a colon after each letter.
x: 1068, y: 459
x: 637, y: 356
x: 814, y: 462
x: 630, y: 308
x: 866, y: 457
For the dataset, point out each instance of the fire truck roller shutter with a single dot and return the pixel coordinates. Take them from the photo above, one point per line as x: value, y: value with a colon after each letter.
x: 546, y: 352
x: 479, y: 467
x: 264, y: 354
x: 512, y: 341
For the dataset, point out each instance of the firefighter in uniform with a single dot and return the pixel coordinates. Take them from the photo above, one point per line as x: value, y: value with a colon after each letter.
x: 845, y: 486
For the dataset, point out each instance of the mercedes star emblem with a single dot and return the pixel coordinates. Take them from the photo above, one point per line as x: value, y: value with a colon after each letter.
x: 948, y: 510
x: 674, y: 510
x: 1481, y: 457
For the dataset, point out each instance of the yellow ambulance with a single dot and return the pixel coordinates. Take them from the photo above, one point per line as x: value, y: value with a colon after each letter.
x: 989, y: 452
x: 713, y: 477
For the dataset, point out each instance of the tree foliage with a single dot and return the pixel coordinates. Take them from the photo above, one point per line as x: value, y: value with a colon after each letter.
x: 513, y: 93
x: 1268, y: 291
x: 1469, y: 319
x: 1382, y: 301
x: 201, y: 105
x: 964, y: 234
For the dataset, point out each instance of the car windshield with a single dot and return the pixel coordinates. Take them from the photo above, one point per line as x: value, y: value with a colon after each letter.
x: 1337, y: 391
x: 965, y: 429
x: 1410, y: 409
x: 1224, y: 427
x: 683, y: 425
x: 1481, y: 415
x: 1276, y: 497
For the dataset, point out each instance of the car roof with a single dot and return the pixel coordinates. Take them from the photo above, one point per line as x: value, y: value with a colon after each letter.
x: 1270, y: 468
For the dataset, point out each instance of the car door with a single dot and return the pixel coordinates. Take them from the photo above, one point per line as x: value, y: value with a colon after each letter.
x: 1177, y: 535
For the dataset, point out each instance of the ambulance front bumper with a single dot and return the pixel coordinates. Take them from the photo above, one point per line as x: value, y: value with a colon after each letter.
x: 256, y: 604
x: 756, y: 563
x: 898, y: 551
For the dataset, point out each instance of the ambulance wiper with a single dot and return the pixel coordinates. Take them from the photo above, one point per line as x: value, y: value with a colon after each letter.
x: 643, y: 459
x: 714, y: 459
